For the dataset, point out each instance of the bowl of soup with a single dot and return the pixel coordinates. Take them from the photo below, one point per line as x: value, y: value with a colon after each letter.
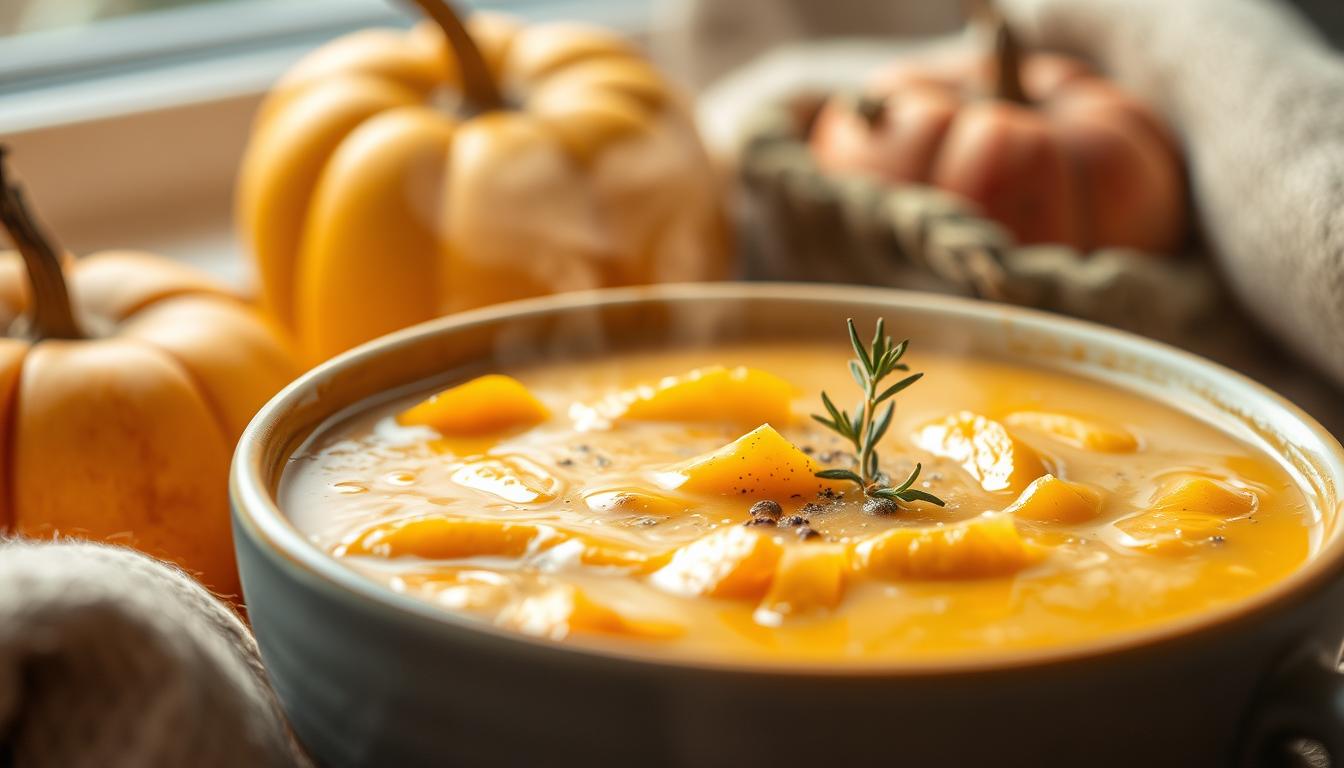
x: 626, y: 527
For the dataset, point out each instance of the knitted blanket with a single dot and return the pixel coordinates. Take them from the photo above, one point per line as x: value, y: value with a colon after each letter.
x: 109, y: 658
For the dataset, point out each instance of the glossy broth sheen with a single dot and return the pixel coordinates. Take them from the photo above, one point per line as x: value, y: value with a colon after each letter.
x: 1087, y: 578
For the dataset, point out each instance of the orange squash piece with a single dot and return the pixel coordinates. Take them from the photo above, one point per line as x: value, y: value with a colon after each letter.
x: 485, y: 405
x: 739, y: 395
x: 1186, y: 515
x: 761, y: 464
x: 984, y: 448
x: 513, y: 478
x: 981, y: 547
x: 564, y: 609
x: 1090, y: 434
x: 439, y: 537
x: 808, y: 576
x: 1051, y: 500
x: 731, y: 562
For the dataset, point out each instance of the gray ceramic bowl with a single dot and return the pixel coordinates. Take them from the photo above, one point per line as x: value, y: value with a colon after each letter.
x: 370, y: 677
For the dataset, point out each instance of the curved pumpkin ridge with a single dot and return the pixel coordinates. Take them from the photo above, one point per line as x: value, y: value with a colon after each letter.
x: 543, y: 49
x: 12, y: 355
x: 369, y: 259
x: 116, y: 438
x: 282, y: 166
x: 117, y: 284
x: 558, y: 244
x: 213, y: 339
x: 384, y: 54
x: 999, y: 154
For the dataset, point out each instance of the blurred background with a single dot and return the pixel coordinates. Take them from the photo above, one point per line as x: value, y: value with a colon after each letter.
x: 130, y: 115
x: 128, y: 118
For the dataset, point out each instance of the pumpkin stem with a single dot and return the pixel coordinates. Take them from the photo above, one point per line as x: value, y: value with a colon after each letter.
x: 872, y: 109
x: 52, y: 316
x: 477, y: 85
x: 1008, y: 64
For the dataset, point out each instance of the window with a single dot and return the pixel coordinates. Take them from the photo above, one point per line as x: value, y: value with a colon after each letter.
x: 53, y: 42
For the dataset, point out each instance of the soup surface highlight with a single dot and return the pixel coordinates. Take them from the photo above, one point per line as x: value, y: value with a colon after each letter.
x: 642, y: 499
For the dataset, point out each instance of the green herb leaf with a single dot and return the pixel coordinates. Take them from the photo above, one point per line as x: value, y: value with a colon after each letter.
x: 896, y: 388
x: 858, y: 347
x: 914, y: 494
x: 867, y: 426
x: 856, y: 370
x: 840, y: 474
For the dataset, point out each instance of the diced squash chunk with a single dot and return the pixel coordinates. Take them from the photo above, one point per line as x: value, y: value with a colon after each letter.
x: 462, y: 589
x: 1203, y: 494
x: 731, y: 562
x: 1090, y: 434
x: 984, y: 448
x: 513, y: 478
x: 628, y: 501
x: 759, y: 465
x: 563, y: 610
x: 483, y: 406
x: 1187, y: 515
x: 1171, y: 532
x: 439, y: 537
x: 1051, y: 500
x: 614, y: 554
x: 808, y: 576
x: 737, y: 395
x: 981, y: 547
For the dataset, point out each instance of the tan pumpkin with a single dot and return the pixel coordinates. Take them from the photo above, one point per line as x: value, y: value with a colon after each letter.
x: 1039, y: 142
x: 125, y: 381
x: 393, y: 177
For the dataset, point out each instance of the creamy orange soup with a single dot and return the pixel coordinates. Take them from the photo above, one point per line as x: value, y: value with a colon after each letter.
x: 611, y: 500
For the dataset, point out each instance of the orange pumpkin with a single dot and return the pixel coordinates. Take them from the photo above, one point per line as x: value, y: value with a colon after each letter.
x: 125, y: 381
x: 393, y: 177
x: 1039, y: 142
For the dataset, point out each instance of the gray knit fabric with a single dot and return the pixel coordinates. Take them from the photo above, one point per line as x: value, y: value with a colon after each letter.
x: 109, y: 658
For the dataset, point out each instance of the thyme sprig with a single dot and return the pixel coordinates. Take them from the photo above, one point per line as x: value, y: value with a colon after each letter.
x: 866, y: 426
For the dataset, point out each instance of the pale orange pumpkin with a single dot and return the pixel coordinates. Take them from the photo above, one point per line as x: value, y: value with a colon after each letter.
x: 125, y: 381
x: 1039, y: 142
x: 393, y: 177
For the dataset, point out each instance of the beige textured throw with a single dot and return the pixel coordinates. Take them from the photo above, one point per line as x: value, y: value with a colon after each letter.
x: 109, y: 658
x: 1258, y: 98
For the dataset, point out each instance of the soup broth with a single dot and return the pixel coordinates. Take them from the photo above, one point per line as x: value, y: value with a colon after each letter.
x: 599, y: 501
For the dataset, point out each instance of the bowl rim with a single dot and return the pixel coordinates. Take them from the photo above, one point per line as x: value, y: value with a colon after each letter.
x: 256, y: 512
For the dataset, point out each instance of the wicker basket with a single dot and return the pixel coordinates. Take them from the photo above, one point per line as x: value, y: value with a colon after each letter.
x: 802, y: 224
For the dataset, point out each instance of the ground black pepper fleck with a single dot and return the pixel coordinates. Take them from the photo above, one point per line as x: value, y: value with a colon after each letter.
x: 766, y: 508
x: 812, y: 509
x: 807, y: 532
x: 759, y: 521
x: 881, y: 507
x: 794, y: 520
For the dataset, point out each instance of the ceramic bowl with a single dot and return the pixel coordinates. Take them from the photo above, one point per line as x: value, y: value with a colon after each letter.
x: 372, y: 677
